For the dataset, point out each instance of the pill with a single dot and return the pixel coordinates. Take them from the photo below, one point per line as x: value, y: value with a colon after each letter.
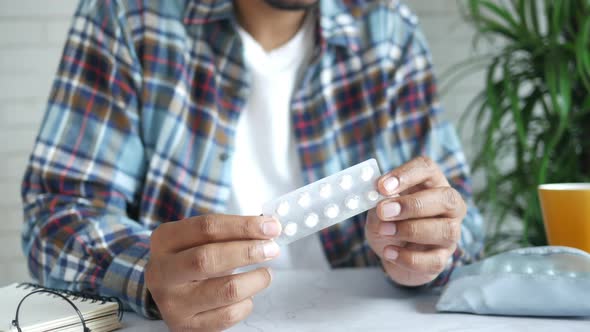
x: 346, y: 182
x: 290, y: 229
x: 283, y: 208
x: 352, y: 202
x: 311, y: 220
x: 304, y: 200
x: 331, y: 210
x: 325, y: 190
x: 372, y: 195
x: 367, y: 173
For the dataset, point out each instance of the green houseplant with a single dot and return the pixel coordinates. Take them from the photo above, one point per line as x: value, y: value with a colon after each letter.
x: 531, y: 122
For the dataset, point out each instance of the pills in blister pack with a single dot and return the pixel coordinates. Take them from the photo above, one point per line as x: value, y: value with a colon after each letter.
x: 326, y: 202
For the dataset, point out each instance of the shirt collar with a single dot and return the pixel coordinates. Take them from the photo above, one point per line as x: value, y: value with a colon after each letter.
x: 337, y: 24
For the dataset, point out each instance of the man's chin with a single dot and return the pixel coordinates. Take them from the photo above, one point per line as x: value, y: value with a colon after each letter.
x: 292, y: 4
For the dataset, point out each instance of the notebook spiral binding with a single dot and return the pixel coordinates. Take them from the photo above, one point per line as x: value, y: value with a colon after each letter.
x: 68, y: 296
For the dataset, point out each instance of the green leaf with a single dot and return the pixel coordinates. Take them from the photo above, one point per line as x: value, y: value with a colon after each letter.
x: 533, y: 13
x: 512, y: 92
x: 583, y: 52
x: 500, y: 12
x: 488, y: 24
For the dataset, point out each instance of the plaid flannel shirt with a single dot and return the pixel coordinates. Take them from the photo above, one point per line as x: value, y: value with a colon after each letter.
x: 141, y: 118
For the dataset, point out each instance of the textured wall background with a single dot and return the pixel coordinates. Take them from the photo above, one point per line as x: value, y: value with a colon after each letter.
x: 32, y: 33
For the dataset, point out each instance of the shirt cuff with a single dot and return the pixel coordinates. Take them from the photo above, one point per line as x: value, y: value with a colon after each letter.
x: 124, y: 279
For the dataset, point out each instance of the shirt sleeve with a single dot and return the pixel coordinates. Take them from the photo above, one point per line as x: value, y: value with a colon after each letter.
x: 417, y: 111
x: 84, y: 175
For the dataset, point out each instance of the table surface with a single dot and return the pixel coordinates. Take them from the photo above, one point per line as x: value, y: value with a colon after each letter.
x: 360, y: 300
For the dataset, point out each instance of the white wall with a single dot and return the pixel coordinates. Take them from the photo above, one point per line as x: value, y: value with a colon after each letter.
x: 31, y: 37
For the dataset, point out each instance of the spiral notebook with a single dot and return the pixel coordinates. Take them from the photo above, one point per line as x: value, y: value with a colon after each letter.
x: 56, y: 310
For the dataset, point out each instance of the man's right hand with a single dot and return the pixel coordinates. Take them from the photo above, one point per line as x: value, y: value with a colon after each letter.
x: 188, y: 273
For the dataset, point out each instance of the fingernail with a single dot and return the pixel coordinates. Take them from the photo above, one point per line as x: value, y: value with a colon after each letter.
x: 391, y: 209
x: 271, y: 228
x: 391, y: 184
x: 390, y: 254
x: 270, y: 249
x: 387, y: 229
x: 269, y: 270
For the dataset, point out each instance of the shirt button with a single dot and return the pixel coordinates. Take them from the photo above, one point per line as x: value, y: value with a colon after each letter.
x: 223, y: 156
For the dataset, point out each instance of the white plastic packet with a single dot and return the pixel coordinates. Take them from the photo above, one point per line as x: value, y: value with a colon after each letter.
x: 546, y: 281
x: 326, y: 202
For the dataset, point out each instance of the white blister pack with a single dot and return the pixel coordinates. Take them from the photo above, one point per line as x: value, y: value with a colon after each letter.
x: 325, y: 202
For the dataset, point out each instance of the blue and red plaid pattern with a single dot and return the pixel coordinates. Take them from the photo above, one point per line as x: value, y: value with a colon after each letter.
x: 141, y: 119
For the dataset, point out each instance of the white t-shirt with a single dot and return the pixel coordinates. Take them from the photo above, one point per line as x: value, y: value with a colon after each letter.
x: 265, y: 162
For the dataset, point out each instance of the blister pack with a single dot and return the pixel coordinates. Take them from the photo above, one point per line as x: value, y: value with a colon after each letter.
x: 325, y: 202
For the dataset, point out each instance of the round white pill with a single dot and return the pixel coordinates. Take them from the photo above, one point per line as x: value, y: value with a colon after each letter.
x: 367, y: 173
x: 331, y: 211
x: 372, y: 195
x: 352, y: 202
x: 283, y: 208
x: 290, y: 229
x: 304, y: 200
x: 311, y: 220
x: 325, y: 190
x: 346, y: 182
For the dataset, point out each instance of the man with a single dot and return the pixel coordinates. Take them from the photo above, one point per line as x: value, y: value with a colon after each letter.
x: 199, y: 111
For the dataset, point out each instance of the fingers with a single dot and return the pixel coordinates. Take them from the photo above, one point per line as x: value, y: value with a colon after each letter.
x: 205, y: 261
x: 199, y: 305
x: 374, y: 238
x: 430, y: 262
x: 417, y: 227
x: 218, y: 292
x: 235, y: 288
x: 441, y: 201
x: 195, y: 231
x: 221, y: 318
x: 418, y: 171
x: 444, y: 232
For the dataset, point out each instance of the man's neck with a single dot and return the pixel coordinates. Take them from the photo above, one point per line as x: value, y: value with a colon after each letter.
x: 269, y: 26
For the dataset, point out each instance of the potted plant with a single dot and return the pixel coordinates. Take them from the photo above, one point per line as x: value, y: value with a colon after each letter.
x: 532, y: 119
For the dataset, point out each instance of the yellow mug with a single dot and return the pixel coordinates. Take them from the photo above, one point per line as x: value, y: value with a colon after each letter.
x: 566, y: 214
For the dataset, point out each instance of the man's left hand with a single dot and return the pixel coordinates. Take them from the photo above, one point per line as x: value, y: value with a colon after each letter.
x: 416, y: 232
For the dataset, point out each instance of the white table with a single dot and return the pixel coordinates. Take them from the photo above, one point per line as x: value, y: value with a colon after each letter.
x: 361, y: 300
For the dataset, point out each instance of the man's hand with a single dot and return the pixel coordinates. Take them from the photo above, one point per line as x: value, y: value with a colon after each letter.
x: 416, y: 232
x: 190, y: 262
